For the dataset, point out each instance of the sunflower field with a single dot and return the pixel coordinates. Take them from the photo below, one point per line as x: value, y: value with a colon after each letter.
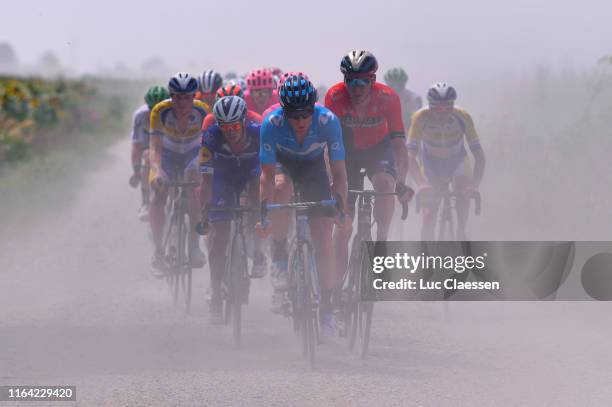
x: 36, y: 114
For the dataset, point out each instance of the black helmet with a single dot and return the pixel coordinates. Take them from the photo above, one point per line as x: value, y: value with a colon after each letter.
x: 297, y: 93
x: 358, y: 62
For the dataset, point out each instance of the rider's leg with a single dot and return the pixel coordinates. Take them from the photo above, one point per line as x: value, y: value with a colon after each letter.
x: 217, y: 244
x: 157, y: 216
x: 192, y: 174
x: 383, y: 205
x: 259, y: 259
x: 145, y: 187
x: 279, y: 220
x: 343, y: 235
x: 321, y: 231
x: 462, y: 204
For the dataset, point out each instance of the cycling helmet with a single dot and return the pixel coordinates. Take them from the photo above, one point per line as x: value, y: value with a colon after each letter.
x: 155, y: 94
x: 182, y: 82
x: 441, y: 92
x: 210, y: 81
x: 396, y: 76
x: 229, y: 90
x: 286, y: 75
x: 230, y: 75
x: 238, y: 82
x: 230, y: 109
x: 358, y: 62
x: 260, y: 79
x: 297, y: 93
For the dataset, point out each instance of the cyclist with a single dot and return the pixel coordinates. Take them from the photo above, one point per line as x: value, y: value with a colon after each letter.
x: 140, y: 145
x: 230, y: 90
x: 261, y: 92
x: 374, y: 139
x: 282, y: 80
x: 294, y: 136
x: 208, y: 84
x: 439, y: 132
x: 229, y: 162
x: 396, y: 79
x: 174, y: 147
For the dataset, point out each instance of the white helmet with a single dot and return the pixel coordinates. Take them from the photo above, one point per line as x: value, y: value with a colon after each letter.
x: 182, y: 82
x: 210, y: 81
x: 230, y: 109
x: 441, y: 92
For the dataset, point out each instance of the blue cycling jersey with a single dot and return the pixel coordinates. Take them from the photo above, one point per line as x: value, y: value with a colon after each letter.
x: 217, y: 157
x: 278, y: 137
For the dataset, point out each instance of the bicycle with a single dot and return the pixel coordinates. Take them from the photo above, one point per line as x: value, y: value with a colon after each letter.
x: 357, y: 314
x: 304, y: 290
x: 177, y: 252
x: 446, y: 219
x: 236, y: 278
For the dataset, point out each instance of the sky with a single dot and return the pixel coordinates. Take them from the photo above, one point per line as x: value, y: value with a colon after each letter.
x: 433, y: 40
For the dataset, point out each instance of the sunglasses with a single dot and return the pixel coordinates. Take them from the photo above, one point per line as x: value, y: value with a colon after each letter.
x: 359, y: 80
x: 261, y: 92
x: 299, y: 114
x: 441, y: 107
x: 231, y: 126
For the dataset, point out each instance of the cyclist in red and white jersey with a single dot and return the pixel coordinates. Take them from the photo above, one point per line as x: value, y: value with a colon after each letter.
x: 374, y: 139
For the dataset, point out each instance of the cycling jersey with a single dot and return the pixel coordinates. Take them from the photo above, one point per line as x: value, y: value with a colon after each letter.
x: 231, y: 172
x: 382, y: 119
x: 411, y: 102
x: 163, y: 123
x: 210, y: 119
x: 442, y: 139
x: 274, y: 107
x: 140, y: 125
x: 179, y: 153
x: 304, y: 163
x: 251, y: 103
x: 278, y: 137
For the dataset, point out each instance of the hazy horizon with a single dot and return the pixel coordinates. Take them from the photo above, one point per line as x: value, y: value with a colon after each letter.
x: 431, y: 40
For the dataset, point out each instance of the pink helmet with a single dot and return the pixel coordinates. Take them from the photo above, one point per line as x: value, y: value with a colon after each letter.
x: 286, y: 75
x: 260, y: 79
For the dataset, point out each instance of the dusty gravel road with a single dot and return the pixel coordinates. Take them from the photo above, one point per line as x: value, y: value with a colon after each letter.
x: 78, y: 306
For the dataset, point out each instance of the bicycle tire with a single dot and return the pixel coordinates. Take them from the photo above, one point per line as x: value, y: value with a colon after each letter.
x: 238, y: 272
x: 310, y: 314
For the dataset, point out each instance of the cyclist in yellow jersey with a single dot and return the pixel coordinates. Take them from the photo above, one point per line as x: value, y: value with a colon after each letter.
x: 174, y: 148
x: 437, y: 138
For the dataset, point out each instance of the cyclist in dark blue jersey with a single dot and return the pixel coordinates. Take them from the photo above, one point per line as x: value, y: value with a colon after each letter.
x: 293, y: 142
x: 229, y: 162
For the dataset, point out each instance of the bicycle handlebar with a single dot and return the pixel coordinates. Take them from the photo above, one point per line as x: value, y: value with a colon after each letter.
x: 182, y: 184
x: 372, y: 193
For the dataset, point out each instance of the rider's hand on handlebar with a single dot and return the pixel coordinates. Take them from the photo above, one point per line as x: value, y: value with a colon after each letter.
x: 262, y: 231
x: 134, y: 180
x: 157, y: 183
x: 405, y: 193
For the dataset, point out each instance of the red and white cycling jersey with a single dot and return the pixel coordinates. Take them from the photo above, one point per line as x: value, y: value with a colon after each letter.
x: 382, y: 119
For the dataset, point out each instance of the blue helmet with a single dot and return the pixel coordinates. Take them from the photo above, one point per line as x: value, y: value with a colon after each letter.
x: 297, y: 93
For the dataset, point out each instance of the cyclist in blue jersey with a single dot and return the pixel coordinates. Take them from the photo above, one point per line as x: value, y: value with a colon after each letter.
x: 229, y: 162
x: 293, y: 139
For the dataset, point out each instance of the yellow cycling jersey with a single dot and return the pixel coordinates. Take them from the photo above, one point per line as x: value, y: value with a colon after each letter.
x: 164, y: 124
x: 442, y: 138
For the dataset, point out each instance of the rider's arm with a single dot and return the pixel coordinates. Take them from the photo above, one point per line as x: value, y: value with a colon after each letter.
x: 267, y: 160
x: 398, y: 136
x: 137, y: 143
x: 155, y: 139
x: 414, y: 142
x: 207, y: 170
x: 475, y: 147
x: 335, y: 148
